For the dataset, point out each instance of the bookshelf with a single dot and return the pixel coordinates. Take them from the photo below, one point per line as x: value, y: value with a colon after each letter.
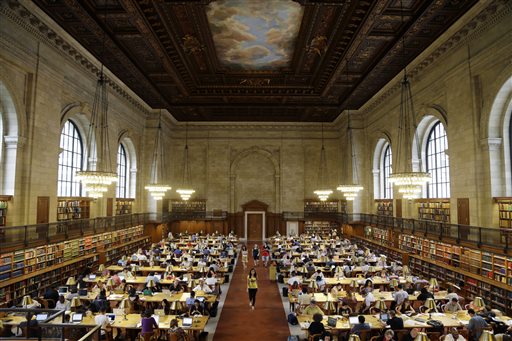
x: 73, y: 208
x: 343, y: 206
x: 329, y: 206
x: 124, y: 206
x: 504, y: 211
x: 3, y: 209
x: 384, y: 207
x: 380, y: 235
x: 434, y: 209
x: 28, y: 271
x: 323, y: 228
x: 181, y: 206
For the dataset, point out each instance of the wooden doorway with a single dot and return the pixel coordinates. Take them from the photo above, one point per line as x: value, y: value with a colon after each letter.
x: 43, y: 210
x: 254, y: 226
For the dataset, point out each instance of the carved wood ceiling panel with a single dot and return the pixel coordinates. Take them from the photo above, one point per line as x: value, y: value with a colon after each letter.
x: 165, y: 51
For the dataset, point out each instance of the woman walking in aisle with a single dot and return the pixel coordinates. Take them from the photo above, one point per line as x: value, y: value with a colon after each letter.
x: 252, y: 287
x: 256, y: 254
x: 244, y: 255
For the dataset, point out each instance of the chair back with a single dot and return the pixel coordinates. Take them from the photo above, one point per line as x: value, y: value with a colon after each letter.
x: 363, y: 334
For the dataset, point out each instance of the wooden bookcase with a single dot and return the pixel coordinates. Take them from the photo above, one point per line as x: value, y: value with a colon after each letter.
x: 434, y: 209
x: 505, y: 211
x: 380, y: 235
x: 29, y: 271
x: 384, y: 207
x: 3, y: 209
x: 73, y: 208
x: 328, y: 206
x: 124, y: 206
x: 343, y: 206
x: 181, y: 206
x: 323, y: 228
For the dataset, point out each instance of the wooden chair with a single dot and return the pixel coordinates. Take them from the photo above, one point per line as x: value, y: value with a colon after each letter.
x: 314, y: 337
x: 364, y: 334
x: 401, y: 333
x: 433, y: 336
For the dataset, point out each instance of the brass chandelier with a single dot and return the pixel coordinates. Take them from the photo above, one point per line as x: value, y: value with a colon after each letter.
x: 157, y: 187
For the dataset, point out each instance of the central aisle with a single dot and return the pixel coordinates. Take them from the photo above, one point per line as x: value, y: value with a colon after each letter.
x: 238, y: 322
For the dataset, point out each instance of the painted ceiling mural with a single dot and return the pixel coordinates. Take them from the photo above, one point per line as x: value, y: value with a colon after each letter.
x: 252, y: 34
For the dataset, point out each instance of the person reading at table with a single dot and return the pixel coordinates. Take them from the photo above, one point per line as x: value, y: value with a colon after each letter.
x: 176, y: 286
x: 424, y: 294
x: 388, y: 335
x: 362, y: 325
x: 312, y: 308
x: 317, y: 328
x: 62, y: 304
x: 453, y: 306
x: 394, y: 322
x: 405, y: 308
x: 399, y: 295
x: 476, y: 325
x: 196, y: 309
x: 202, y: 286
x: 102, y: 320
x: 148, y: 325
x: 176, y: 333
x: 30, y: 327
x: 454, y: 335
x: 411, y: 336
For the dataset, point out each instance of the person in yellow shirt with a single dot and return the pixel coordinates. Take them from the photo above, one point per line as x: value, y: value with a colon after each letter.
x: 252, y: 287
x: 312, y: 309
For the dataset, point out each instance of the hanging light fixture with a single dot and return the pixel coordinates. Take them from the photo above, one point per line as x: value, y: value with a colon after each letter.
x: 408, y: 181
x: 351, y: 190
x: 157, y: 188
x: 98, y: 175
x: 185, y: 191
x: 323, y: 190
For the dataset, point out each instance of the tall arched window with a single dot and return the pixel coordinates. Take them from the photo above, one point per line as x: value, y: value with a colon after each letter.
x: 122, y: 173
x: 70, y: 161
x: 437, y: 162
x: 387, y: 162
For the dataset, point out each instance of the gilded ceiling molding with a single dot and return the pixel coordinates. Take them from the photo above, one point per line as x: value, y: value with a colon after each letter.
x: 32, y: 24
x: 488, y: 17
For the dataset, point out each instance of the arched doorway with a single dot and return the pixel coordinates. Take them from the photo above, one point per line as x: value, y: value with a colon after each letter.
x: 255, y: 215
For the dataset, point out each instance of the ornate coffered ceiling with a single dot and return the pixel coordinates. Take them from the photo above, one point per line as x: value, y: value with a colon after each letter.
x: 255, y: 60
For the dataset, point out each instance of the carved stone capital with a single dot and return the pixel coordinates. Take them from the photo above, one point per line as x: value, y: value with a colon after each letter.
x: 13, y: 142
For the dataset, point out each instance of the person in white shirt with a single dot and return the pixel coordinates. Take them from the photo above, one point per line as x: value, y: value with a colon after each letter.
x: 102, y: 320
x: 210, y: 280
x: 453, y: 306
x: 202, y: 287
x: 454, y: 335
x: 294, y: 279
x: 35, y: 304
x: 451, y: 295
x: 368, y: 300
x: 62, y: 304
x: 400, y: 295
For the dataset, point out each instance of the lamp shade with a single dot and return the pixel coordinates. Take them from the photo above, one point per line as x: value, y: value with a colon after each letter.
x: 110, y: 282
x: 124, y: 303
x: 101, y: 268
x: 371, y: 269
x: 168, y: 269
x: 486, y: 336
x: 394, y: 283
x: 354, y: 337
x: 430, y: 304
x: 381, y: 305
x: 338, y: 270
x: 173, y: 305
x: 151, y: 284
x: 26, y: 300
x: 314, y: 284
x: 353, y: 284
x: 405, y: 270
x: 304, y: 270
x: 71, y: 281
x: 433, y: 282
x: 421, y: 337
x: 479, y: 302
x: 75, y: 302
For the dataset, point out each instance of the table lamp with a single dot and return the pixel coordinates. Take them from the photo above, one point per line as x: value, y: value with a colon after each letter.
x: 433, y: 283
x: 371, y: 269
x: 135, y: 267
x: 168, y: 269
x: 353, y: 284
x: 110, y: 283
x: 421, y: 337
x: 71, y: 281
x: 394, y: 283
x: 101, y: 268
x: 354, y: 337
x: 478, y: 302
x: 381, y: 305
x: 151, y: 284
x: 486, y: 336
x: 27, y: 300
x: 304, y: 270
x: 123, y: 305
x: 75, y: 302
x: 314, y: 285
x: 430, y: 304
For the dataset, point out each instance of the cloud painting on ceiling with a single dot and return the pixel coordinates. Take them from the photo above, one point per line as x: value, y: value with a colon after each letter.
x: 254, y: 34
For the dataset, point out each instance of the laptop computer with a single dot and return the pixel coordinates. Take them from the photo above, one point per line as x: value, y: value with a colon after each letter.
x: 187, y: 322
x: 200, y: 299
x: 157, y: 318
x: 63, y: 290
x: 384, y: 317
x: 41, y: 317
x: 77, y: 318
x: 91, y: 276
x: 353, y: 320
x: 82, y: 292
x: 111, y: 317
x: 159, y: 277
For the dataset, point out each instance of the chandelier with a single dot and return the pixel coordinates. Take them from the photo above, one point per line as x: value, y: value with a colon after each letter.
x: 323, y: 192
x: 185, y: 191
x: 350, y: 191
x: 158, y: 189
x: 408, y: 181
x: 98, y: 175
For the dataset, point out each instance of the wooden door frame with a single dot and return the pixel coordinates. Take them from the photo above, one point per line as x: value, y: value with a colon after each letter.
x: 263, y: 221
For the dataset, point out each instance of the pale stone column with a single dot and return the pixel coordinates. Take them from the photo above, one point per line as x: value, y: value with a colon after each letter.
x: 12, y: 143
x: 376, y: 183
x: 277, y: 178
x: 232, y: 181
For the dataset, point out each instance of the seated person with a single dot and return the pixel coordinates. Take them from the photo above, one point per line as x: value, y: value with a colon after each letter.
x: 176, y: 286
x: 191, y: 299
x: 453, y: 306
x: 30, y: 327
x: 476, y: 325
x: 405, y: 308
x: 312, y: 308
x: 369, y: 299
x: 424, y: 294
x: 102, y: 320
x: 148, y: 323
x: 454, y: 335
x: 62, y: 304
x: 362, y: 325
x: 196, y: 309
x: 395, y: 322
x: 202, y: 287
x: 344, y: 309
x: 336, y: 290
x: 317, y: 329
x: 174, y: 329
x: 72, y: 293
x: 411, y: 336
x: 389, y: 335
x: 304, y: 298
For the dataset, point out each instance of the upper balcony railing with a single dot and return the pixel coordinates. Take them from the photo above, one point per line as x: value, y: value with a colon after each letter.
x: 476, y: 235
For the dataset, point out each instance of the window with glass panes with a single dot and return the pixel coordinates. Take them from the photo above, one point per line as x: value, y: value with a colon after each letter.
x: 387, y: 163
x: 437, y: 163
x: 70, y: 161
x: 122, y: 171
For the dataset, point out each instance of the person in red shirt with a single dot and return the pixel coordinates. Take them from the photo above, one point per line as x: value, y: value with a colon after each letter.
x: 265, y: 256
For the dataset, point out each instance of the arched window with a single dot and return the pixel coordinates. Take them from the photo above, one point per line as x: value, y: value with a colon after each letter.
x: 70, y: 161
x: 122, y: 173
x: 437, y: 162
x: 387, y: 162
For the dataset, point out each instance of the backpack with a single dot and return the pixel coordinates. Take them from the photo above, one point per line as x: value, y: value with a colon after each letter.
x: 292, y: 319
x: 437, y: 326
x: 213, y: 309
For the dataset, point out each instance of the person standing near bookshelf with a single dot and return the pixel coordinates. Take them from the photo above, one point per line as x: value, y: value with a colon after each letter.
x: 252, y: 287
